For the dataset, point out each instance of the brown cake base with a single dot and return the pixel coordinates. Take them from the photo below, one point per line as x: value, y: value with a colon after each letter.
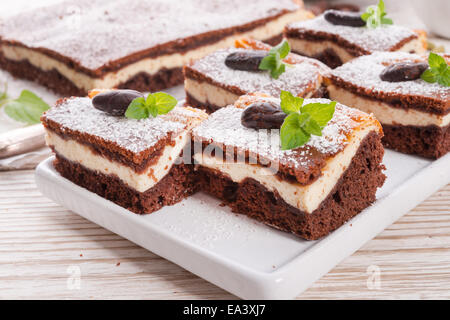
x: 430, y: 142
x: 354, y: 192
x: 208, y: 107
x: 53, y: 80
x: 177, y: 185
x: 328, y: 57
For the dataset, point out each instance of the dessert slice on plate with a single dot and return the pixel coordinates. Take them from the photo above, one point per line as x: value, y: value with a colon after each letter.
x: 337, y: 37
x: 73, y: 47
x: 218, y: 79
x: 415, y: 114
x: 310, y: 184
x: 132, y: 162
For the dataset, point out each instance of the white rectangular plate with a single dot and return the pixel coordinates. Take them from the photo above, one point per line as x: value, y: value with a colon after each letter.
x: 240, y: 255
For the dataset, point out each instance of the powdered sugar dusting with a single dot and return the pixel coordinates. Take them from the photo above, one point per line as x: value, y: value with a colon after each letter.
x: 296, y: 78
x: 365, y: 72
x: 95, y: 32
x: 79, y: 115
x: 224, y: 128
x: 378, y: 39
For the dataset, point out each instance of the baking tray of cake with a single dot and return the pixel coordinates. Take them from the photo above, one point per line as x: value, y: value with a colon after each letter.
x: 243, y: 256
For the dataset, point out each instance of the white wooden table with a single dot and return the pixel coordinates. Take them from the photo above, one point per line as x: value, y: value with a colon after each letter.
x: 47, y: 252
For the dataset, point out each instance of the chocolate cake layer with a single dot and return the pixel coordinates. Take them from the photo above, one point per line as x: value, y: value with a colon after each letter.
x: 430, y: 141
x: 208, y: 107
x: 52, y: 79
x: 178, y: 184
x: 78, y: 44
x: 354, y: 192
x: 56, y: 82
x: 329, y: 57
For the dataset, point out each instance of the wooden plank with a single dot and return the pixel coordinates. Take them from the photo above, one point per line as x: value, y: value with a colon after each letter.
x: 44, y: 249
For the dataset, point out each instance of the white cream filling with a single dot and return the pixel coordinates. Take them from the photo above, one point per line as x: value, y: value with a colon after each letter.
x: 207, y: 93
x: 385, y: 113
x: 312, y: 48
x: 148, y: 65
x: 306, y: 198
x: 79, y: 153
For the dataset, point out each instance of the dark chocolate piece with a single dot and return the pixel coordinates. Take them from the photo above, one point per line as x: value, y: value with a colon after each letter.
x: 403, y: 71
x: 115, y: 102
x: 344, y: 18
x: 265, y: 115
x: 245, y: 60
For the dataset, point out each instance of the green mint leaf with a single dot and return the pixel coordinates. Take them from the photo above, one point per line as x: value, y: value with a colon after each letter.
x: 439, y: 70
x: 312, y: 127
x: 155, y: 104
x: 276, y: 73
x: 273, y: 62
x: 282, y: 48
x: 291, y: 133
x: 386, y: 21
x: 444, y: 78
x: 267, y: 63
x: 365, y: 16
x: 374, y: 16
x: 153, y: 110
x: 436, y: 60
x: 28, y: 108
x: 290, y: 103
x: 302, y: 121
x: 150, y: 100
x: 137, y: 109
x: 321, y: 113
x: 381, y: 6
x: 164, y: 102
x: 4, y: 94
x: 428, y: 76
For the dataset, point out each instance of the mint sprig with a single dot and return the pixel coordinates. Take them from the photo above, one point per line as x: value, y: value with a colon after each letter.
x: 302, y: 120
x: 375, y: 16
x: 438, y: 71
x: 155, y: 104
x: 27, y: 108
x: 4, y: 94
x: 274, y: 60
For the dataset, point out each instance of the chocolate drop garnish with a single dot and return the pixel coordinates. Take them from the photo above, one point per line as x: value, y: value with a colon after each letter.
x: 403, y: 71
x: 344, y: 18
x: 115, y: 102
x: 245, y: 60
x: 263, y: 115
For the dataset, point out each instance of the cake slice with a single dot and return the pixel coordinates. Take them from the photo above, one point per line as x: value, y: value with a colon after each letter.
x: 309, y: 191
x: 415, y: 114
x: 337, y: 44
x: 134, y: 163
x: 211, y: 84
x: 74, y: 47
